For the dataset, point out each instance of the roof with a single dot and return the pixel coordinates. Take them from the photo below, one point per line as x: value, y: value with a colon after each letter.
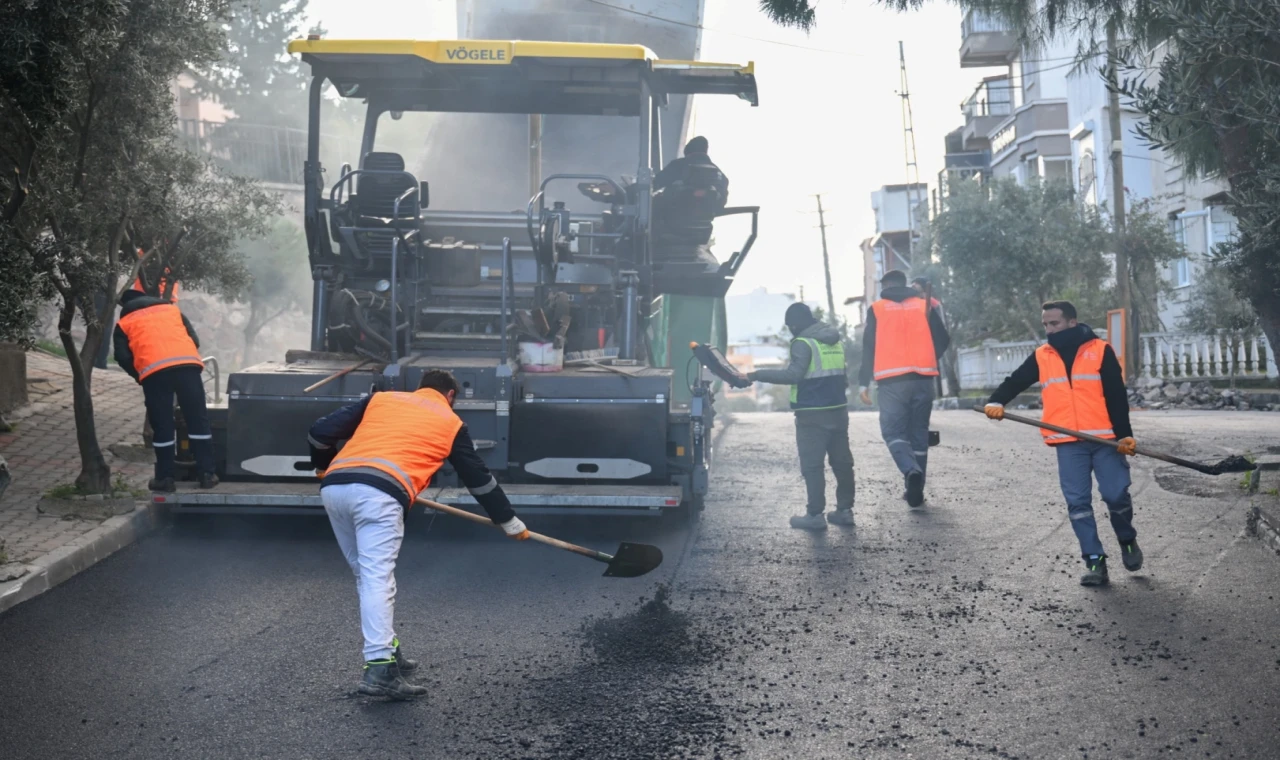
x: 514, y: 76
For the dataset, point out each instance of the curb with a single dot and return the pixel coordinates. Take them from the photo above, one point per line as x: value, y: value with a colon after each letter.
x: 1264, y: 526
x: 80, y: 554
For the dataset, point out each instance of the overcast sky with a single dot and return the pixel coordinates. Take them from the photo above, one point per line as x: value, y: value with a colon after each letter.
x: 828, y: 122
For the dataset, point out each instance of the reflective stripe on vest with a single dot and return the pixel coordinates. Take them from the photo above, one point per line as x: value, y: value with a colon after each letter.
x: 904, y: 344
x: 1077, y: 403
x: 824, y: 383
x: 158, y: 339
x: 406, y: 436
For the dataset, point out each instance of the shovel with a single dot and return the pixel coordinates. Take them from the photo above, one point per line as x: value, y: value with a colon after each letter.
x: 1234, y: 463
x: 630, y: 561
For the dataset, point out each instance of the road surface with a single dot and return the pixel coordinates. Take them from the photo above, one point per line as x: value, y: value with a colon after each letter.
x: 954, y: 631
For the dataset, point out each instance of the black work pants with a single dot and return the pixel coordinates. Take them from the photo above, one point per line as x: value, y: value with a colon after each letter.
x: 822, y: 435
x: 186, y: 383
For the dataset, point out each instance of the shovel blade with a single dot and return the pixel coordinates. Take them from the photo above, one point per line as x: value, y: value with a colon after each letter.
x: 1233, y: 464
x: 633, y: 560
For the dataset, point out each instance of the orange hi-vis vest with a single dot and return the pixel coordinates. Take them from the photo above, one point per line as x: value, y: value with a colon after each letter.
x: 1075, y: 402
x: 159, y: 339
x: 403, y: 436
x: 904, y: 344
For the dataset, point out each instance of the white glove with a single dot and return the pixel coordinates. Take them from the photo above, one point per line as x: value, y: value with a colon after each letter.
x: 994, y: 411
x: 515, y: 529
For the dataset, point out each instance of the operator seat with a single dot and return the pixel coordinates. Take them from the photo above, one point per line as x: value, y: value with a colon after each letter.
x: 373, y: 206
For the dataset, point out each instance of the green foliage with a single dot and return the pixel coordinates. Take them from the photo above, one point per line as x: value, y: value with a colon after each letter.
x: 798, y: 13
x: 280, y: 278
x: 1215, y: 305
x: 91, y: 170
x: 64, y: 491
x: 256, y: 77
x: 1005, y: 249
x: 1213, y: 105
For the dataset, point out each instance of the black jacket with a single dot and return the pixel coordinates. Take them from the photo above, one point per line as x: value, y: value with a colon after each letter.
x: 124, y: 354
x: 937, y: 329
x: 341, y: 424
x: 1066, y: 343
x: 677, y: 169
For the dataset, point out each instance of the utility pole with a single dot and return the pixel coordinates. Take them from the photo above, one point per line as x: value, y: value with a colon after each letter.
x: 826, y: 263
x: 909, y: 149
x: 1124, y: 289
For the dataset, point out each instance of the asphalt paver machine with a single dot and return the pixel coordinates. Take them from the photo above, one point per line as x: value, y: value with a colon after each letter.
x: 401, y: 287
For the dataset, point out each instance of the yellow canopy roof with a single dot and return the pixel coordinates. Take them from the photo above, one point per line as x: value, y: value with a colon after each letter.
x: 514, y: 76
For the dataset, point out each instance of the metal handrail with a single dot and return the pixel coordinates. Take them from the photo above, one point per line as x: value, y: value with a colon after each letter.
x: 217, y: 376
x: 507, y: 279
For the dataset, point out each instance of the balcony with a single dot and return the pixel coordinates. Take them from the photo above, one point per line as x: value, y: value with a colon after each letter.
x: 274, y: 155
x: 985, y: 41
x: 990, y: 104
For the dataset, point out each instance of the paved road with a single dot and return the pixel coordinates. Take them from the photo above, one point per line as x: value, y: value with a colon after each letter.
x: 954, y: 631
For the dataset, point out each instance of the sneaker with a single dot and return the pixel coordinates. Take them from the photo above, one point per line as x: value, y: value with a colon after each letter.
x: 164, y: 485
x: 915, y: 488
x: 1131, y: 555
x: 405, y: 664
x: 809, y: 522
x: 841, y: 517
x: 208, y: 480
x: 1095, y: 573
x: 382, y: 679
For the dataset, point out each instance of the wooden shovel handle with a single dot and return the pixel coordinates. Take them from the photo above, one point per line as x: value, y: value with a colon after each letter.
x: 1106, y: 442
x: 335, y: 376
x: 480, y: 520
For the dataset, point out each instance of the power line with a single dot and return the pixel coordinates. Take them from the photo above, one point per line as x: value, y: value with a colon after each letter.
x: 722, y: 31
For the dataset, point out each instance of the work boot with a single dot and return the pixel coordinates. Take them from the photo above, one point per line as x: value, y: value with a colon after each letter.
x: 809, y: 522
x: 164, y: 485
x: 841, y: 517
x: 1131, y: 555
x: 915, y: 488
x: 382, y: 679
x: 404, y: 663
x: 1095, y: 573
x: 208, y: 480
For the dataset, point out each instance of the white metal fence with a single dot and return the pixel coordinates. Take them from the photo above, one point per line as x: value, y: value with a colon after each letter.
x: 1168, y: 356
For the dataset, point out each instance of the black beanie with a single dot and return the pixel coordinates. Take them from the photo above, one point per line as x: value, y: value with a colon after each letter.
x: 696, y: 145
x: 798, y: 317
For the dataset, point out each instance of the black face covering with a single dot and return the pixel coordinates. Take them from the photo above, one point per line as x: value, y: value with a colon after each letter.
x: 1066, y: 339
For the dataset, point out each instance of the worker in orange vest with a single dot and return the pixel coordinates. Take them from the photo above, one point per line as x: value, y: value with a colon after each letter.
x: 140, y: 285
x: 1082, y: 388
x: 395, y: 444
x: 158, y: 347
x: 901, y: 343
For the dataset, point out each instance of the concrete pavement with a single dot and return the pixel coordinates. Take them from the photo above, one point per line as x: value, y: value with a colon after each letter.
x: 42, y: 453
x: 958, y: 630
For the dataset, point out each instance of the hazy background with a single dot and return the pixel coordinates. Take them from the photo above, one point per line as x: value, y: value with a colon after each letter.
x: 829, y: 120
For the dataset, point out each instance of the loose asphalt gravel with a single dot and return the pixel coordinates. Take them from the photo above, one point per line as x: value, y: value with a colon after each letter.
x: 956, y: 630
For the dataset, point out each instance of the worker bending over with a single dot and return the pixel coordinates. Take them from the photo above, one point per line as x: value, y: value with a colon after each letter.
x: 1082, y: 388
x: 158, y: 347
x: 818, y: 396
x: 901, y: 343
x: 395, y: 443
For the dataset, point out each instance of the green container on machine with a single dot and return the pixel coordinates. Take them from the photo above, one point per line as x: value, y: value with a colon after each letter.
x: 677, y: 320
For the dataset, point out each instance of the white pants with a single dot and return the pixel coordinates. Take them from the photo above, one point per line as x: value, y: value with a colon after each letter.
x: 369, y: 526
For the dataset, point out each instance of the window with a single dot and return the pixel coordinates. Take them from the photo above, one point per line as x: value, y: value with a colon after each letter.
x: 1182, y: 272
x: 1222, y: 226
x: 1088, y: 175
x: 1179, y: 270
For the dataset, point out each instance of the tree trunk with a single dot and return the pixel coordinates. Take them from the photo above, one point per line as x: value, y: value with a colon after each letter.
x: 95, y: 475
x: 1269, y: 317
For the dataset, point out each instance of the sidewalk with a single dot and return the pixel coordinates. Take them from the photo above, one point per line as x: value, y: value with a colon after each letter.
x: 41, y: 454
